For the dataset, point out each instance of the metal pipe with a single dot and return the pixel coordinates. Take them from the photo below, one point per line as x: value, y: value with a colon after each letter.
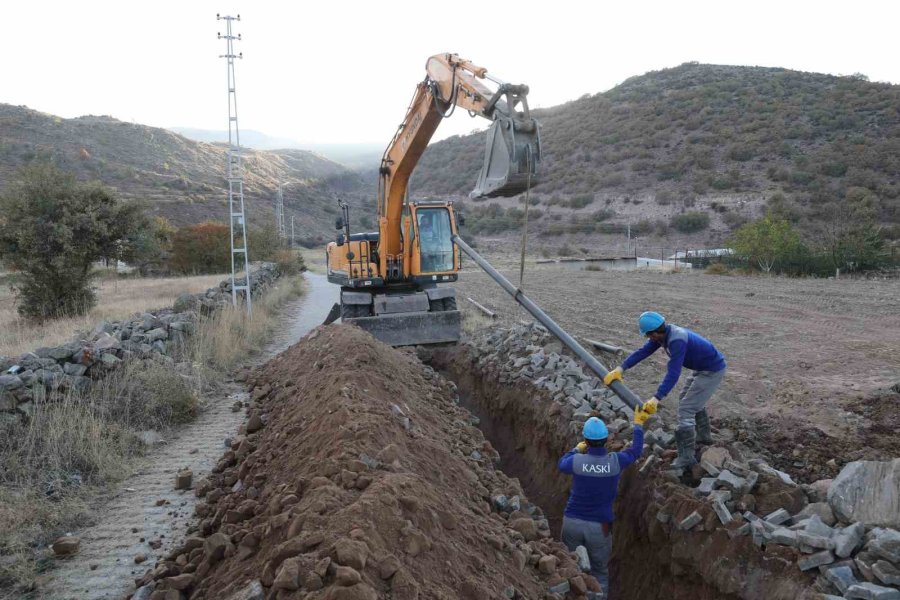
x: 606, y: 347
x: 483, y: 309
x: 619, y: 388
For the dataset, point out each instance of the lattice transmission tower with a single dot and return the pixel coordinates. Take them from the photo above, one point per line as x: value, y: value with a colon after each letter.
x: 279, y: 214
x: 240, y: 258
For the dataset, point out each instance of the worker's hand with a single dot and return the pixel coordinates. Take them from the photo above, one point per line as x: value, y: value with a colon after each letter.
x: 651, y: 406
x: 614, y: 375
x: 640, y: 416
x: 582, y: 447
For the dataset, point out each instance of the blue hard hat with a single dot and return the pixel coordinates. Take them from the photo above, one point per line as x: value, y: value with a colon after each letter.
x: 650, y: 321
x: 595, y: 429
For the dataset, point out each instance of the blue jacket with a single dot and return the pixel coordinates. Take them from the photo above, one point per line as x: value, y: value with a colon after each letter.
x: 595, y: 478
x: 685, y: 348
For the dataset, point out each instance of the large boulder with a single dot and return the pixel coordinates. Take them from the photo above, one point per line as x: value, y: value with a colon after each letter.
x: 185, y: 302
x: 869, y: 492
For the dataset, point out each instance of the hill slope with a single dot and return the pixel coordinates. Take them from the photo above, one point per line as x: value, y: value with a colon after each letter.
x: 717, y: 138
x: 178, y: 178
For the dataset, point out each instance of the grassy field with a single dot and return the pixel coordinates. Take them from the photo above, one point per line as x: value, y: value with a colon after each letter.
x: 117, y: 299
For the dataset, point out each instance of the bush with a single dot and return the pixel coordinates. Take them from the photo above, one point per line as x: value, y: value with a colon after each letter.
x: 716, y: 269
x: 53, y: 229
x: 201, y: 248
x: 691, y: 221
x: 289, y: 262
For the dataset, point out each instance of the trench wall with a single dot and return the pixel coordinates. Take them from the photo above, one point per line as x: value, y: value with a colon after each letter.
x: 532, y: 428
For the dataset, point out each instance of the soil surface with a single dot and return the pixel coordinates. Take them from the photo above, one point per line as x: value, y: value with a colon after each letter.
x: 146, y: 515
x: 360, y: 477
x: 809, y: 360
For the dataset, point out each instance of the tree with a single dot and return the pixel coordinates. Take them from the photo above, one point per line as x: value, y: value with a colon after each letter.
x: 851, y: 237
x: 767, y: 241
x: 149, y: 247
x: 53, y: 229
x: 202, y: 248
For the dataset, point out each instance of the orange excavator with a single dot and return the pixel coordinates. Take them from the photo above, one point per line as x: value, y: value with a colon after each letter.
x: 390, y: 279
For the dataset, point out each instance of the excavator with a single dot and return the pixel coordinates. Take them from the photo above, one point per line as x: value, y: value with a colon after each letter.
x: 390, y: 279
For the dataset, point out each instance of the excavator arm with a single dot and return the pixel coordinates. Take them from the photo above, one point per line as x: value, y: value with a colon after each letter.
x: 513, y: 140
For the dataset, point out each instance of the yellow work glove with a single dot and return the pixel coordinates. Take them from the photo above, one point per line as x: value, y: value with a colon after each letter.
x: 614, y: 375
x: 582, y: 447
x: 640, y: 416
x: 651, y: 405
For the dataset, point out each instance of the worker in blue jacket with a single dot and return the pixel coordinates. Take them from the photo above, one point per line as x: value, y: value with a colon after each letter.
x: 689, y: 350
x: 595, y: 472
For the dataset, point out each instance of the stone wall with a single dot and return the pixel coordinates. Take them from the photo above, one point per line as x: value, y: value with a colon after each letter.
x: 156, y: 335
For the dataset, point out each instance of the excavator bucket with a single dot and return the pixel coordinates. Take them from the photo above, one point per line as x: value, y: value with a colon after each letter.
x: 513, y: 150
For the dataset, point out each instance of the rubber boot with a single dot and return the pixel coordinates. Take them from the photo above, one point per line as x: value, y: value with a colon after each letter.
x: 684, y: 440
x: 704, y: 434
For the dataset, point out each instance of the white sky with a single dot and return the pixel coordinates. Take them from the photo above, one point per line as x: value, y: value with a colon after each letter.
x: 341, y: 71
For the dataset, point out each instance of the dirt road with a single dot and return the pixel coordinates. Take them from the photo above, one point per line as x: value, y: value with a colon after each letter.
x: 814, y: 355
x: 146, y: 515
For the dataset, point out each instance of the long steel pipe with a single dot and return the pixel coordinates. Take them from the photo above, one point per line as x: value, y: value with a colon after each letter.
x: 619, y: 388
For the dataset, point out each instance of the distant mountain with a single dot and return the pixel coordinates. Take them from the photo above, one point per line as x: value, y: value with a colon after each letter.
x: 179, y: 178
x: 724, y: 140
x: 353, y: 156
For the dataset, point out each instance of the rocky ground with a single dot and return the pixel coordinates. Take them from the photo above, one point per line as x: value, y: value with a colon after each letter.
x: 361, y: 474
x: 731, y: 527
x: 813, y: 373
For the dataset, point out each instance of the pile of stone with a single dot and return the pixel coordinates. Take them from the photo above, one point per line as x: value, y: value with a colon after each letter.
x: 843, y: 530
x: 71, y: 367
x: 529, y: 353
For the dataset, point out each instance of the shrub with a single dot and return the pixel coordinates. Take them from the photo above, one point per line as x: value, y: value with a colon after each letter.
x: 53, y: 229
x: 716, y: 268
x: 691, y: 221
x: 201, y: 248
x: 289, y: 262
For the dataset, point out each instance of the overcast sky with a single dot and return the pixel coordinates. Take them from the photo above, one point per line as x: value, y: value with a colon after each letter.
x: 339, y: 71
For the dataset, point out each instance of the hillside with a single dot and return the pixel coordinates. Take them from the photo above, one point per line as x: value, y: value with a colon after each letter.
x: 353, y: 156
x: 719, y: 139
x: 173, y: 176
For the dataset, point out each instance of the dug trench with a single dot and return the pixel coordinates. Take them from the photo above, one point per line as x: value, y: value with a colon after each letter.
x: 650, y: 559
x: 360, y: 475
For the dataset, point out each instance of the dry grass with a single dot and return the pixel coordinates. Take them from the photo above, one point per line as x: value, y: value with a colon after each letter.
x: 54, y: 465
x: 117, y: 299
x: 226, y: 339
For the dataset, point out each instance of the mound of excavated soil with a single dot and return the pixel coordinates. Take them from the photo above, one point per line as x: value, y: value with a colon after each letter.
x: 359, y: 477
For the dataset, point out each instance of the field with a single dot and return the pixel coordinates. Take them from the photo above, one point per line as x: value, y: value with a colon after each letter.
x: 117, y: 299
x: 806, y: 357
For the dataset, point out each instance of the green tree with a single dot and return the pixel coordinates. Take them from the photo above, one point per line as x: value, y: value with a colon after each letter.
x: 150, y: 246
x: 850, y: 234
x: 767, y: 241
x: 53, y: 229
x: 202, y: 248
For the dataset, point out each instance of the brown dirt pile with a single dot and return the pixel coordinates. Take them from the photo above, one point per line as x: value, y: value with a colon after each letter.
x: 360, y: 478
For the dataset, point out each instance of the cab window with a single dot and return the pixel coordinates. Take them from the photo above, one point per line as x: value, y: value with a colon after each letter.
x: 435, y: 245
